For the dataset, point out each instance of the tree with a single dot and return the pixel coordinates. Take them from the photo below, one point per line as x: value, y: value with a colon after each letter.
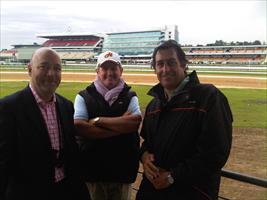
x: 256, y: 42
x: 232, y: 43
x: 220, y: 43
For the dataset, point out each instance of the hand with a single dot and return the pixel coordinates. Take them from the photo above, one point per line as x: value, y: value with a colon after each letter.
x: 94, y: 121
x: 150, y: 170
x: 161, y: 181
x: 91, y: 122
x: 127, y: 113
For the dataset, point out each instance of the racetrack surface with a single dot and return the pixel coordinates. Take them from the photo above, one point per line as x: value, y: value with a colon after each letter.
x: 223, y: 81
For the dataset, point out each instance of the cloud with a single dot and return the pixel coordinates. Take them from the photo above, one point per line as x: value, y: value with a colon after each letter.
x: 199, y: 22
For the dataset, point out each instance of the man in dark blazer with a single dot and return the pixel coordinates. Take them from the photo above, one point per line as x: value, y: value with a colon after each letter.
x: 38, y: 154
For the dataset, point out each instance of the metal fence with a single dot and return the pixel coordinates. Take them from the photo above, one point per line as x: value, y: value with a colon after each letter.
x: 261, y: 182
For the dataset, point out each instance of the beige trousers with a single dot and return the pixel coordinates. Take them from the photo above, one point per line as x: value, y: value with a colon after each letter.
x: 109, y: 191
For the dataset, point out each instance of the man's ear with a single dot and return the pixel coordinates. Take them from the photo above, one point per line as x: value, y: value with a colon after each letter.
x: 185, y: 67
x: 29, y: 69
x: 154, y: 68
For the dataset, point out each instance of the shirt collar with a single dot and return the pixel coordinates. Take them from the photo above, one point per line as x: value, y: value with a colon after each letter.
x: 179, y: 87
x: 38, y: 99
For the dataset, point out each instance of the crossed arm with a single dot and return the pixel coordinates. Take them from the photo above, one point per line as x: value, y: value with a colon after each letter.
x: 108, y: 126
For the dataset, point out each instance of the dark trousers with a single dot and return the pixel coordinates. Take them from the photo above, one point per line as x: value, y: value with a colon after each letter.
x: 67, y: 190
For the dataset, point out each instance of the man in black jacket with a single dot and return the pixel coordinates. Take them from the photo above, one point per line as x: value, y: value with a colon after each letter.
x: 38, y: 152
x: 187, y: 132
x: 107, y: 117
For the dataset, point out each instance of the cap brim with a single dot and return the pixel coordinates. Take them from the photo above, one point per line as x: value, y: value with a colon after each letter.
x: 111, y: 60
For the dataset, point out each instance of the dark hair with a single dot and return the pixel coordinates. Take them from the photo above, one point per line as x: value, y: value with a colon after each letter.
x: 167, y: 45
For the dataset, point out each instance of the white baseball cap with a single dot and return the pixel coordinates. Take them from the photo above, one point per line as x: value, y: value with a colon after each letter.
x: 108, y: 56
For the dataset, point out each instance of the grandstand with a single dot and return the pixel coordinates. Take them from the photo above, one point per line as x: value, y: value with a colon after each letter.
x: 249, y: 54
x: 213, y: 55
x: 74, y: 46
x: 139, y: 43
x: 8, y: 55
x: 136, y: 47
x: 20, y: 53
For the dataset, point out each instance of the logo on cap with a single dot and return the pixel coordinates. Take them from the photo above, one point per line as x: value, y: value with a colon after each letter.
x: 109, y: 54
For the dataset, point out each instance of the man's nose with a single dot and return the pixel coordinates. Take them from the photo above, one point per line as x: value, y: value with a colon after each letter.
x: 166, y: 67
x: 109, y: 72
x: 51, y: 71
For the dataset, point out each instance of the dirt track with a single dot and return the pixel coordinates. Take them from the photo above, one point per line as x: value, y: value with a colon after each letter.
x: 231, y: 81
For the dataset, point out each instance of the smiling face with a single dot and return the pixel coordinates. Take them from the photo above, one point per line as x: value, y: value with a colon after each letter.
x: 109, y: 73
x: 45, y: 72
x: 169, y: 70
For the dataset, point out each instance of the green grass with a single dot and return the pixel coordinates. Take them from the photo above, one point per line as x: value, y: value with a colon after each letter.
x: 249, y: 106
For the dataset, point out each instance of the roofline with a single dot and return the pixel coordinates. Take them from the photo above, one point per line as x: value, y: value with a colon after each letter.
x: 135, y: 31
x: 228, y: 46
x: 49, y: 35
x: 27, y: 45
x: 152, y: 29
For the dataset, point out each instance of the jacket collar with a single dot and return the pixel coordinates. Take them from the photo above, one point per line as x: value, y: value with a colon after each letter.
x: 34, y: 114
x: 158, y: 90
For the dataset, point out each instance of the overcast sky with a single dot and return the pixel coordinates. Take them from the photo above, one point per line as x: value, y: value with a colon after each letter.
x: 199, y: 22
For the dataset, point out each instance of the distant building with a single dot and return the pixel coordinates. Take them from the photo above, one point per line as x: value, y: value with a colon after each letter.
x: 74, y: 46
x: 136, y: 47
x: 243, y: 54
x: 7, y: 56
x: 86, y: 46
x: 24, y: 51
x: 139, y: 42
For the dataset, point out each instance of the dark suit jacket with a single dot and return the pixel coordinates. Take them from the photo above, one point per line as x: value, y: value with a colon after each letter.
x: 26, y: 169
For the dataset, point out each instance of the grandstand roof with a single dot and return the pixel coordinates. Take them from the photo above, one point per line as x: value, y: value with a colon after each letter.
x: 60, y: 35
x: 8, y: 51
x: 25, y: 45
x: 218, y: 47
x: 135, y: 31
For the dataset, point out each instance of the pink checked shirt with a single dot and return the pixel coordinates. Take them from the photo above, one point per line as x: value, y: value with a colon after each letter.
x: 48, y: 110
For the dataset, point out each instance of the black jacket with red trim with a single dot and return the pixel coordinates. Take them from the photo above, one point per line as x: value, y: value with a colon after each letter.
x: 190, y: 136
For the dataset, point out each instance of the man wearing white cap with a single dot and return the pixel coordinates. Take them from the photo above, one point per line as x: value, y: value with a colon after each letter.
x: 107, y: 117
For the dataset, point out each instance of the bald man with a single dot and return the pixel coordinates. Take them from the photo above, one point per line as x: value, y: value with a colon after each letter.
x: 38, y: 154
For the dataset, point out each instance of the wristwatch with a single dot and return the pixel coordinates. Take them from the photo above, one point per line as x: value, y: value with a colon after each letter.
x: 170, y: 179
x: 96, y: 120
